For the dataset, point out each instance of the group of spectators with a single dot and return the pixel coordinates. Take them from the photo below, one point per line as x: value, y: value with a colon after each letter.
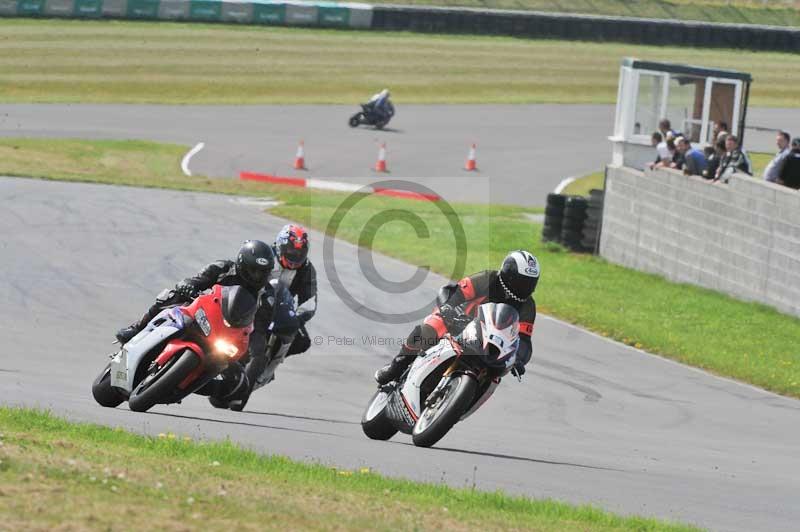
x: 784, y: 168
x: 718, y: 162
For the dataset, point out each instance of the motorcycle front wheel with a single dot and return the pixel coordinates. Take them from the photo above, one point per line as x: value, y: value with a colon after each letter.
x: 437, y: 419
x: 355, y: 120
x: 105, y: 394
x: 375, y: 424
x: 160, y: 384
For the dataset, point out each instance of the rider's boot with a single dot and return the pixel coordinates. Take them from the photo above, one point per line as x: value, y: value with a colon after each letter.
x: 232, y: 392
x: 125, y: 334
x: 394, y: 369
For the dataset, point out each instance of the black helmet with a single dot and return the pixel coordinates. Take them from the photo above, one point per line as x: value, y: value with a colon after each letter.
x: 255, y: 262
x: 519, y: 275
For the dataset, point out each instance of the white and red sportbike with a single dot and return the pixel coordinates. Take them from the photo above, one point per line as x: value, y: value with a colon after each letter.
x: 449, y: 381
x: 181, y: 350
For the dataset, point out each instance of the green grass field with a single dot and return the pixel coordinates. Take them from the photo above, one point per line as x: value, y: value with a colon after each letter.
x: 747, y: 341
x: 733, y: 11
x: 146, y: 62
x: 56, y: 475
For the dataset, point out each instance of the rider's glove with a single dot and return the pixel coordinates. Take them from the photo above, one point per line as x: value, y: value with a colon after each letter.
x: 304, y: 315
x: 185, y: 290
x: 449, y: 314
x: 518, y: 370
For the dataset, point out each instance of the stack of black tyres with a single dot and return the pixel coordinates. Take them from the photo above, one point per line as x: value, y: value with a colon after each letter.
x: 553, y: 216
x: 594, y: 217
x: 572, y: 224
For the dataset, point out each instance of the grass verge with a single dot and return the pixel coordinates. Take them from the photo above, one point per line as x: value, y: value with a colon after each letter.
x: 700, y: 327
x: 178, y: 63
x: 79, y: 476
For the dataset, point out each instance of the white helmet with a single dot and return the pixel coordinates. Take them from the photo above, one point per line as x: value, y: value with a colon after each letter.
x: 499, y: 324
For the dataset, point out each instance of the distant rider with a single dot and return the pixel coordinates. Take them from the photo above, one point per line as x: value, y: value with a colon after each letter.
x: 251, y: 269
x: 513, y: 284
x: 381, y: 105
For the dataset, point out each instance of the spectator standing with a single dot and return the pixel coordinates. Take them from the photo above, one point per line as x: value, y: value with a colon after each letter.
x: 713, y: 160
x: 678, y: 159
x: 790, y: 171
x: 720, y: 128
x: 733, y: 160
x: 694, y: 162
x: 662, y: 152
x: 773, y: 169
x: 665, y: 128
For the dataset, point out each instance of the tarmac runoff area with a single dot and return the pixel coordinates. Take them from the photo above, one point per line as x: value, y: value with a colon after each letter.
x: 523, y: 151
x: 592, y: 422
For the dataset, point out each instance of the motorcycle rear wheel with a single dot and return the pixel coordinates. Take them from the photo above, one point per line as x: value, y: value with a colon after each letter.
x: 355, y: 120
x: 105, y: 394
x: 159, y: 387
x: 375, y: 424
x: 437, y: 420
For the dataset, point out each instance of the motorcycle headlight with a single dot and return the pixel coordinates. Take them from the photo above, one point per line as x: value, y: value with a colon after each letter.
x: 202, y: 320
x: 226, y: 348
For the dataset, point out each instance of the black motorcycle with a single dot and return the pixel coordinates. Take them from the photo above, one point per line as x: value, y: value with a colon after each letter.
x: 370, y: 117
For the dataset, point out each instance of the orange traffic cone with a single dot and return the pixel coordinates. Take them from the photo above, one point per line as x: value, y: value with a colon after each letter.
x: 471, y: 165
x: 300, y: 157
x: 380, y: 166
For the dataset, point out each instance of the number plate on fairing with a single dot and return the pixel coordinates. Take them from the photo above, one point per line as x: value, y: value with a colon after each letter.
x: 119, y: 370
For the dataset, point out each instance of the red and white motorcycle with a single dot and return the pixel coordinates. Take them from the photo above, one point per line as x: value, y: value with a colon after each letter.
x: 449, y: 382
x: 180, y: 351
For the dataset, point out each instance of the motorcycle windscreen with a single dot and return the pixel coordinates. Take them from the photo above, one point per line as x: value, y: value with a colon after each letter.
x: 499, y: 333
x: 238, y: 306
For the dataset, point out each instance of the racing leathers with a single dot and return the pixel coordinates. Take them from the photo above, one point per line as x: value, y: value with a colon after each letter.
x: 301, y: 284
x: 457, y: 305
x: 294, y: 303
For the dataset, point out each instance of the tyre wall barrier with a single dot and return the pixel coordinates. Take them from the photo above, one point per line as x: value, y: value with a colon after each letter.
x: 742, y: 239
x: 322, y: 14
x: 536, y: 24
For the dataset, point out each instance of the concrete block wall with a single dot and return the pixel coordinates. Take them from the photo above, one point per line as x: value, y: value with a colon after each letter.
x: 742, y: 238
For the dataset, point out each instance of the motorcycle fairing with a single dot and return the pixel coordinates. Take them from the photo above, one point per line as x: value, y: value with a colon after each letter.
x: 482, y: 399
x: 165, y: 325
x: 424, y: 365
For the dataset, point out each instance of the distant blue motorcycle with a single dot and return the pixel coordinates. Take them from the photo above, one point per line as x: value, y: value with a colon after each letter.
x: 371, y: 116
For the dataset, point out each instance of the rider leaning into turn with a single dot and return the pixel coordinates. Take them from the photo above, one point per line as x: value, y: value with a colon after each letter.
x: 294, y: 271
x: 381, y: 104
x: 513, y: 284
x: 251, y: 269
x: 293, y: 302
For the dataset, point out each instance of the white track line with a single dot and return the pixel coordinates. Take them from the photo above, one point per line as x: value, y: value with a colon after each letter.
x: 561, y: 186
x: 189, y: 154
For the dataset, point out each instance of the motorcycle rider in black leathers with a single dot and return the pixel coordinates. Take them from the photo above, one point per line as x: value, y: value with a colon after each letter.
x: 295, y: 272
x: 513, y: 284
x: 251, y: 269
x: 293, y: 302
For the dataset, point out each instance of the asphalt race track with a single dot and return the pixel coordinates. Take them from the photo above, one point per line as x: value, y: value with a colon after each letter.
x: 593, y: 421
x: 525, y: 150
